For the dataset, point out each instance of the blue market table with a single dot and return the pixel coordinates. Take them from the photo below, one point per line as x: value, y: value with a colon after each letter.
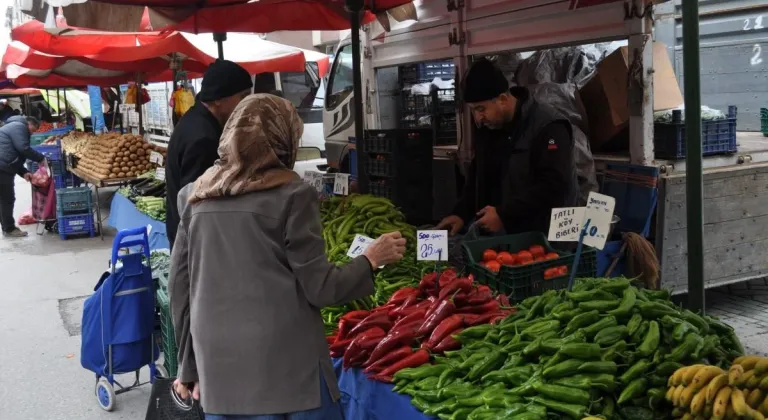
x: 366, y: 399
x: 123, y: 214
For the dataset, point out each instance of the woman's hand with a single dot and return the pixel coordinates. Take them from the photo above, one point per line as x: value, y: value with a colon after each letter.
x: 183, y: 390
x: 386, y: 249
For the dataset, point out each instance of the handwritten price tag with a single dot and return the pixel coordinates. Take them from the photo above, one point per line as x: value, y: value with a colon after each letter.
x: 359, y: 245
x: 432, y: 245
x: 341, y: 184
x: 597, y: 219
x: 155, y: 157
x: 314, y: 179
x: 565, y: 224
x: 160, y: 174
x: 127, y: 108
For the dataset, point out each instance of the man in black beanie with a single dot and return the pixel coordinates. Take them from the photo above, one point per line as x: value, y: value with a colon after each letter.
x: 524, y: 163
x: 194, y: 144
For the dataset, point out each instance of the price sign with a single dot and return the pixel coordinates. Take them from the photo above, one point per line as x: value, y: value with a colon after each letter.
x: 359, y: 245
x: 597, y: 219
x: 149, y: 229
x: 127, y: 108
x: 432, y: 245
x: 565, y: 224
x: 160, y: 174
x: 314, y: 179
x: 341, y: 184
x: 155, y: 157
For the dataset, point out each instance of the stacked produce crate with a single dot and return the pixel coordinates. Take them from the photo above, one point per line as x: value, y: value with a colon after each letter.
x: 764, y: 121
x: 398, y: 164
x: 74, y: 212
x: 435, y: 110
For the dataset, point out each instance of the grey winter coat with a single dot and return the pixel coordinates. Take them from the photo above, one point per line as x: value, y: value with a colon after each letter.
x: 249, y: 275
x: 15, y: 148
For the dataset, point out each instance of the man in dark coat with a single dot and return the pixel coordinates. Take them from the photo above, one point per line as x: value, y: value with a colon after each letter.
x: 524, y: 162
x: 194, y: 144
x: 14, y: 151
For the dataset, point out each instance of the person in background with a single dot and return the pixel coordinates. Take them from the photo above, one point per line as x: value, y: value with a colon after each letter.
x: 5, y: 110
x: 524, y: 163
x: 193, y: 146
x: 42, y: 113
x: 249, y: 274
x: 14, y: 151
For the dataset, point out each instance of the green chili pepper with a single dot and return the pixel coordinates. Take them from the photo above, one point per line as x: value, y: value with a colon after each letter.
x: 607, y: 322
x: 609, y: 408
x: 475, y: 332
x: 589, y: 295
x: 662, y: 294
x: 541, y: 327
x: 584, y: 351
x: 492, y: 361
x: 684, y: 349
x: 581, y: 320
x: 610, y: 336
x: 602, y: 381
x: 634, y: 323
x: 562, y: 369
x: 639, y: 335
x: 568, y: 315
x: 615, y: 286
x: 682, y: 330
x: 651, y: 341
x: 563, y: 393
x: 627, y: 303
x: 446, y: 377
x: 599, y: 305
x: 654, y: 310
x: 635, y: 371
x: 538, y: 308
x: 610, y: 353
x: 420, y: 404
x: 704, y: 349
x: 573, y: 410
x: 428, y: 383
x: 633, y: 390
x: 421, y: 372
x: 598, y: 367
x: 696, y: 320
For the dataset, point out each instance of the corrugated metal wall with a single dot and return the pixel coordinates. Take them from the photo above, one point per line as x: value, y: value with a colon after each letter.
x: 734, y: 53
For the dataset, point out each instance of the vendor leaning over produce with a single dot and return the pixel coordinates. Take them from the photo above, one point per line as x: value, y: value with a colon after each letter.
x: 14, y: 151
x: 249, y: 274
x: 195, y: 139
x: 524, y: 163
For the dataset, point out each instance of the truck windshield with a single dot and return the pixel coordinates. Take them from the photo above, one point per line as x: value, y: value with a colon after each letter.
x: 340, y: 84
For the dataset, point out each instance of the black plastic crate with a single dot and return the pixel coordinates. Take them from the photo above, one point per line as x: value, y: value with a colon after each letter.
x: 403, y: 142
x: 718, y: 137
x: 523, y: 281
x: 381, y: 165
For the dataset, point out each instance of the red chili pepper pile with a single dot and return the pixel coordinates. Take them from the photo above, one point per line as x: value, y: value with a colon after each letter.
x: 425, y: 317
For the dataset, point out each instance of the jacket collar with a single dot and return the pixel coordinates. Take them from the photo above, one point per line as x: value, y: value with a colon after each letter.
x: 203, y: 112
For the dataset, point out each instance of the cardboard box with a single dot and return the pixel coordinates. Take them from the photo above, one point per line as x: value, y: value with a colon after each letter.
x: 605, y: 95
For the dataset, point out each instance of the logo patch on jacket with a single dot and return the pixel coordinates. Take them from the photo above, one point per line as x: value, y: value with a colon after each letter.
x: 552, y: 145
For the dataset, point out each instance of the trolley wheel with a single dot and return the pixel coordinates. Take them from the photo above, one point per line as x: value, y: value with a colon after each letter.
x: 105, y: 395
x: 161, y: 371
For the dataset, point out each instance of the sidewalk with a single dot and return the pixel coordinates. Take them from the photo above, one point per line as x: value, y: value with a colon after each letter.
x: 744, y: 306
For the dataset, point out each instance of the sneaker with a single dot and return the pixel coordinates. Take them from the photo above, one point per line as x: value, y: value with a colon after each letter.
x: 16, y: 233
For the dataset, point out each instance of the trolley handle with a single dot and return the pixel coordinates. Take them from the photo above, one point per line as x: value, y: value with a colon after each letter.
x: 120, y: 241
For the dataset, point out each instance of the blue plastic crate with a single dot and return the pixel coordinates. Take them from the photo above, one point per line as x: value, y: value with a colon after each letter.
x: 50, y: 151
x: 718, y: 137
x: 76, y: 225
x: 73, y: 201
x: 636, y: 192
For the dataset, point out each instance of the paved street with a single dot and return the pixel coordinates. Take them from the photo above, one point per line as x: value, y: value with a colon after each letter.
x: 44, y: 281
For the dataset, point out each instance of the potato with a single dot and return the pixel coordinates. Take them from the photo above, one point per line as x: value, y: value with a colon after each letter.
x: 130, y: 174
x: 140, y: 152
x: 134, y: 168
x: 133, y: 156
x: 121, y: 175
x: 147, y: 146
x: 132, y: 148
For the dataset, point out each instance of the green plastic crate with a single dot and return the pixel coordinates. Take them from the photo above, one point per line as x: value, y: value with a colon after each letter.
x: 170, y: 350
x: 521, y: 282
x: 764, y: 121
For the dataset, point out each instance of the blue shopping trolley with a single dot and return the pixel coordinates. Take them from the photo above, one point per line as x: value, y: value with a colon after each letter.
x: 119, y: 319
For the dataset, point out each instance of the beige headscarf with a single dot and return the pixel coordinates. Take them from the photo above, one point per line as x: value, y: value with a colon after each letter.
x: 257, y: 149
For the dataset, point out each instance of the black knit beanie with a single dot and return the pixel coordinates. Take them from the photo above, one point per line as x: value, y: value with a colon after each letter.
x: 223, y: 79
x: 484, y: 81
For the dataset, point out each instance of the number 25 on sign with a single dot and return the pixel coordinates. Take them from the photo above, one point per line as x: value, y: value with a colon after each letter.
x: 432, y: 245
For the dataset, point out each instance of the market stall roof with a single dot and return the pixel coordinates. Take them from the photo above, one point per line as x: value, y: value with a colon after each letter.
x: 221, y: 15
x: 18, y: 92
x: 194, y: 51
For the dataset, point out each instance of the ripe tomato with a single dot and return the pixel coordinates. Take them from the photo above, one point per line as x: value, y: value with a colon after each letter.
x: 489, y: 255
x: 551, y: 256
x: 505, y: 258
x: 537, y: 250
x: 549, y: 273
x: 562, y: 270
x: 524, y: 257
x: 493, y: 266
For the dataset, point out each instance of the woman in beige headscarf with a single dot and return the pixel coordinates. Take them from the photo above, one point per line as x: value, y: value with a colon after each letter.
x: 249, y: 274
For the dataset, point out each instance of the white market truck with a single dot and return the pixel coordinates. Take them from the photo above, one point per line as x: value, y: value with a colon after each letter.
x: 735, y: 209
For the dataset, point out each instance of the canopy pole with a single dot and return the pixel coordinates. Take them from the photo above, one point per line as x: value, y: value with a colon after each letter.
x: 355, y: 7
x: 138, y: 104
x: 220, y: 37
x: 66, y: 114
x: 58, y: 103
x: 694, y: 177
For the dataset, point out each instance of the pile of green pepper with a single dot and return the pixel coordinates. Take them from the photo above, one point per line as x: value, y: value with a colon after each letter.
x: 604, y: 349
x: 345, y: 217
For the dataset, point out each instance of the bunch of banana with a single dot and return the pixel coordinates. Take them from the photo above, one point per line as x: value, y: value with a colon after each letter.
x: 709, y: 392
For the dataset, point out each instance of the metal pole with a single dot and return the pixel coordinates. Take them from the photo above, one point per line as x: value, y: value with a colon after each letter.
x: 694, y: 177
x: 58, y: 102
x: 66, y: 117
x: 220, y: 38
x: 355, y: 7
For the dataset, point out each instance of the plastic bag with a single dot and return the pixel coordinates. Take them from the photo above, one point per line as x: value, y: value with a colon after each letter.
x: 41, y: 178
x: 43, y: 195
x: 26, y: 218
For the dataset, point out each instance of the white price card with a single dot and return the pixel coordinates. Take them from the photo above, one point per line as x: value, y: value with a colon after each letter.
x: 155, y: 157
x: 341, y: 184
x: 597, y: 219
x: 432, y: 245
x: 149, y: 229
x: 359, y: 245
x: 127, y: 108
x: 314, y: 179
x: 565, y: 224
x: 160, y: 174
